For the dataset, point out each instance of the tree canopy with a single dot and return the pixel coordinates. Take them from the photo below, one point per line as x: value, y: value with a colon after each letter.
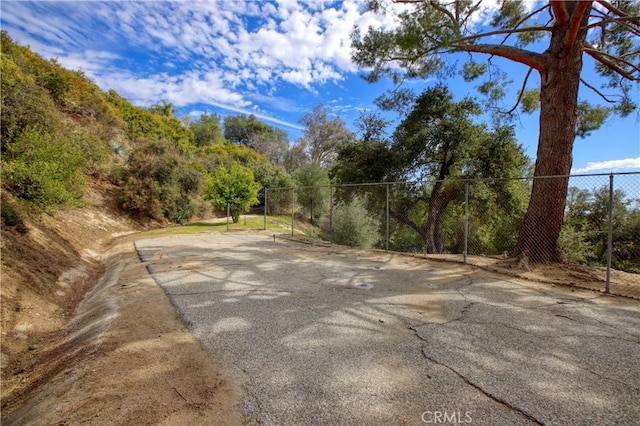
x: 436, y: 142
x: 254, y: 133
x: 323, y: 136
x: 235, y: 187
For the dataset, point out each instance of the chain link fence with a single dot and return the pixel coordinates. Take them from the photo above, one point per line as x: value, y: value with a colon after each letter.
x: 478, y: 222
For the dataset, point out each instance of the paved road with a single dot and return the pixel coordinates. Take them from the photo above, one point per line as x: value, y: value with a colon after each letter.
x: 322, y: 335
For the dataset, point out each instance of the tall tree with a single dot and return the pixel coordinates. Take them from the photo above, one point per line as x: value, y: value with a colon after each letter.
x: 250, y: 131
x: 323, y: 136
x: 435, y: 142
x: 605, y: 32
x: 206, y: 130
x: 314, y: 193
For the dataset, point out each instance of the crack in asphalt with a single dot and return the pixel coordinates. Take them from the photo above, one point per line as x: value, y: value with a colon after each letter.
x: 479, y: 388
x: 465, y: 379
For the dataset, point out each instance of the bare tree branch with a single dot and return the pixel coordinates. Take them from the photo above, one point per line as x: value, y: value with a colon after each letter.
x: 603, y: 58
x: 531, y: 59
x: 521, y: 92
x: 598, y: 92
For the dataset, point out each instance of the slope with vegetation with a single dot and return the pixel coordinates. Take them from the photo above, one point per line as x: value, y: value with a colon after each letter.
x: 80, y: 167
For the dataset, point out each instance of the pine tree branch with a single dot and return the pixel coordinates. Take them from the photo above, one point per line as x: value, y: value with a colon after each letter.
x: 610, y: 62
x: 613, y: 59
x: 575, y: 21
x: 611, y: 8
x: 526, y: 57
x: 521, y: 93
x: 623, y: 22
x: 559, y: 8
x: 499, y: 32
x: 472, y: 10
x: 523, y: 20
x: 597, y: 92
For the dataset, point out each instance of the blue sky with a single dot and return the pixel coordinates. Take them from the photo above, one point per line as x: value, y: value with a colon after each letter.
x: 276, y: 60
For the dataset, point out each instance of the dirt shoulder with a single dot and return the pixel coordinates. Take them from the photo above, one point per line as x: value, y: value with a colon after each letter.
x: 129, y: 360
x: 88, y: 337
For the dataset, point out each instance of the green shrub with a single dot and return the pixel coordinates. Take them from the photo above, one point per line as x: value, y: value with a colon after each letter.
x: 12, y: 217
x: 235, y: 186
x: 44, y: 170
x: 157, y: 182
x: 24, y: 103
x: 353, y: 225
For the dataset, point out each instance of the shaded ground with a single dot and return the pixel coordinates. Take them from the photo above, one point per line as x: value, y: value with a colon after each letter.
x: 568, y: 274
x: 121, y: 356
x: 328, y: 335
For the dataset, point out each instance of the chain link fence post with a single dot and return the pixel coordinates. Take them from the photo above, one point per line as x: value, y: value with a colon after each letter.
x: 265, y: 208
x: 292, y: 208
x: 609, y: 234
x: 466, y: 222
x: 331, y: 214
x: 387, y: 219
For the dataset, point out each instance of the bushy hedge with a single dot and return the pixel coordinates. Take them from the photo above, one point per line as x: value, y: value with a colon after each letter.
x: 157, y: 182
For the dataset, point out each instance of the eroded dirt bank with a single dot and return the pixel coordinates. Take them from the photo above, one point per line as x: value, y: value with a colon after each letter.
x: 127, y: 359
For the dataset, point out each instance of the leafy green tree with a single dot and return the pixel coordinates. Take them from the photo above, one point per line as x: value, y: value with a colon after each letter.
x: 258, y: 135
x: 435, y: 143
x: 585, y: 232
x: 235, y: 187
x: 567, y: 33
x: 272, y: 176
x: 314, y: 191
x: 206, y: 130
x: 296, y: 156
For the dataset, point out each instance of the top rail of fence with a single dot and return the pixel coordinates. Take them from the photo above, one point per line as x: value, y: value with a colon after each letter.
x: 486, y: 179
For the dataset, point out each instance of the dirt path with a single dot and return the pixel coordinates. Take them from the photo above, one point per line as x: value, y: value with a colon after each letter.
x: 133, y: 362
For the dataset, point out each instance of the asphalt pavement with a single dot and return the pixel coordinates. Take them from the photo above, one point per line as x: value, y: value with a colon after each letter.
x: 319, y: 335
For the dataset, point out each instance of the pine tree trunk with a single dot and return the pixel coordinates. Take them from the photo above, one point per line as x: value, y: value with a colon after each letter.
x: 540, y: 231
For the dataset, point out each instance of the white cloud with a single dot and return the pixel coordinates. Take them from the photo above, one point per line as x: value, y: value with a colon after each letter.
x: 610, y: 165
x: 220, y: 53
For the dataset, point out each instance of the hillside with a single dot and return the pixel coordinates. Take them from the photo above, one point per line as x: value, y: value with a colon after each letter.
x: 81, y: 167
